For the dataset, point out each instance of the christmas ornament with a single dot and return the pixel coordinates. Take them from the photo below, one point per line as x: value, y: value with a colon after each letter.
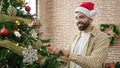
x: 22, y: 2
x: 4, y: 32
x: 17, y: 22
x: 27, y: 8
x: 36, y: 24
x: 17, y: 34
x: 11, y: 10
x: 30, y: 55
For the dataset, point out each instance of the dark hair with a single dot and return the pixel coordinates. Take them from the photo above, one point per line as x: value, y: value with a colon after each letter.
x: 77, y: 12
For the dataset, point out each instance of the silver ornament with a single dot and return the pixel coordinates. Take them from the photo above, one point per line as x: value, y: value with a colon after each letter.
x: 11, y: 10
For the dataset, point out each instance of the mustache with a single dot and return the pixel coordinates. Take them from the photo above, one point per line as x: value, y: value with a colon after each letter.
x: 82, y: 22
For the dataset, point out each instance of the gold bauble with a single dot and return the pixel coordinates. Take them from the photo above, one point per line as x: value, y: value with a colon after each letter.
x: 17, y: 22
x: 22, y: 2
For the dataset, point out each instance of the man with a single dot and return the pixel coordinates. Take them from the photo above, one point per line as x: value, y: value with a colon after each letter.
x: 89, y: 48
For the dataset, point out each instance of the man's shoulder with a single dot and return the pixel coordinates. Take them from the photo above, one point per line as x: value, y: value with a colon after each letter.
x: 98, y: 32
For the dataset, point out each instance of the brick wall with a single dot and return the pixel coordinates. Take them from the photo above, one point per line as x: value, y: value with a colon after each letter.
x: 114, y: 52
x: 57, y: 18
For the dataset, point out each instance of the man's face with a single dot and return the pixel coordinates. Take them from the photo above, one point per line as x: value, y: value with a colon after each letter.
x: 82, y: 21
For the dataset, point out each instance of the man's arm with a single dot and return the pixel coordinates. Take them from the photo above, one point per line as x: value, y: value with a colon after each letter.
x: 98, y: 55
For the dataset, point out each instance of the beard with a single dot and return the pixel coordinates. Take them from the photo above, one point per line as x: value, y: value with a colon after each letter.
x: 83, y: 25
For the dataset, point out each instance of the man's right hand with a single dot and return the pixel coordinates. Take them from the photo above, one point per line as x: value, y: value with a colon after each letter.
x: 57, y: 49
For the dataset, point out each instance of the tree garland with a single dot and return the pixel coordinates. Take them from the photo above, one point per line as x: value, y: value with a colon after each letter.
x: 21, y: 45
x: 112, y: 31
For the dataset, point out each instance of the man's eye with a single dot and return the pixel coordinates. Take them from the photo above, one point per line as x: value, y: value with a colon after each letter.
x: 81, y: 17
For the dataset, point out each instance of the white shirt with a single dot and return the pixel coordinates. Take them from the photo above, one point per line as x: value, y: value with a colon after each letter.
x: 80, y: 46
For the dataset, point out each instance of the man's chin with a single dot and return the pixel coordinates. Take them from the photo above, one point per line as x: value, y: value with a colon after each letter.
x: 81, y: 29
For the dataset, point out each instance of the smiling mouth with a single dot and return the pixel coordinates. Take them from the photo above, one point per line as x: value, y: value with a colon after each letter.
x: 79, y: 25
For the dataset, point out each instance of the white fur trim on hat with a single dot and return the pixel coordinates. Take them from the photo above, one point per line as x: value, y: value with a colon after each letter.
x: 92, y: 13
x: 85, y: 11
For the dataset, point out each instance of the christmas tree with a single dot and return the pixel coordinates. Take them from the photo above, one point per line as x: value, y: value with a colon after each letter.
x: 20, y: 43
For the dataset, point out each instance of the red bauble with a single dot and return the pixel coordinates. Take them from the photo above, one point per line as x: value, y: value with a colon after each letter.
x: 36, y: 24
x: 28, y: 8
x: 4, y: 32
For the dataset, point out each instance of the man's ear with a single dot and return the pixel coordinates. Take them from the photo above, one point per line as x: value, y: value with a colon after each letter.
x: 90, y: 19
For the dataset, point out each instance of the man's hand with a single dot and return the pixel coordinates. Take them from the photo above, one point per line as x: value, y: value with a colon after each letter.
x: 56, y: 50
x: 62, y: 50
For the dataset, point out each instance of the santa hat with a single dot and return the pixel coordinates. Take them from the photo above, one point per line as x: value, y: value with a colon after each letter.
x: 87, y: 8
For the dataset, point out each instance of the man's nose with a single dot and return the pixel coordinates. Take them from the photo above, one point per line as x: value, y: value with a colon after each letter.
x: 78, y: 20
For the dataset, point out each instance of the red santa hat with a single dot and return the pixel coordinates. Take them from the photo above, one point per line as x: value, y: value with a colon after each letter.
x: 87, y: 8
